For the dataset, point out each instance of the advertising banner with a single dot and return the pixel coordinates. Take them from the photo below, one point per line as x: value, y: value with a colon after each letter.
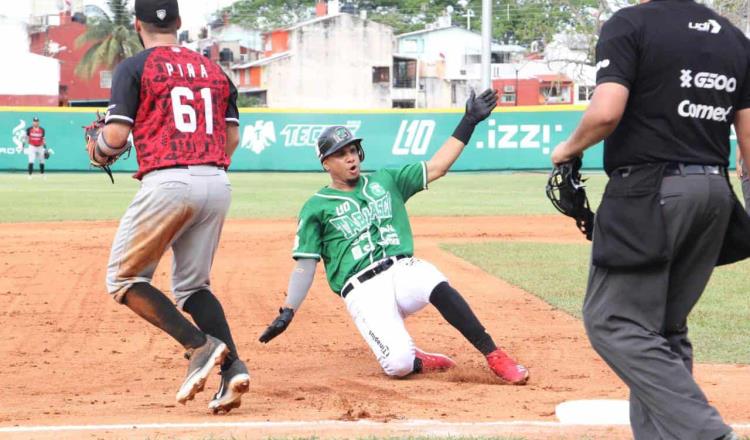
x: 284, y: 140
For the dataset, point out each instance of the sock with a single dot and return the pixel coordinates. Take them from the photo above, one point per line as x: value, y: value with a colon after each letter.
x: 457, y: 312
x: 209, y: 316
x: 151, y: 304
x: 41, y: 167
x: 31, y: 168
x: 417, y: 365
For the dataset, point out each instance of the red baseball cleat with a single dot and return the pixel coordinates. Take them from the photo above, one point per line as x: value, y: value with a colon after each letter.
x: 507, y: 369
x: 434, y: 361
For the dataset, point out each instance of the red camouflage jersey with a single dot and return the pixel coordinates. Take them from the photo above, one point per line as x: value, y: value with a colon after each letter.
x: 178, y: 103
x: 35, y: 135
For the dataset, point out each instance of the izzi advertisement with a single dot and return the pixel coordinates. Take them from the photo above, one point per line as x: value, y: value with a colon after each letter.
x: 511, y: 139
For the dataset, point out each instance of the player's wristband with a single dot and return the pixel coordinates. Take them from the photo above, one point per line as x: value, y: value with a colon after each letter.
x: 464, y: 130
x: 105, y: 150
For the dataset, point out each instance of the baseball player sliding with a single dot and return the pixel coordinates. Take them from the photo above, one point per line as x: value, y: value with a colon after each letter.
x: 359, y: 227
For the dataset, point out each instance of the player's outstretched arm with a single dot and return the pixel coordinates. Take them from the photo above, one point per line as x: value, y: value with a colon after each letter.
x: 478, y: 108
x: 299, y: 285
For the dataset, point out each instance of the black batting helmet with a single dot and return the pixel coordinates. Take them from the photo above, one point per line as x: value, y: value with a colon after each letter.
x: 335, y: 138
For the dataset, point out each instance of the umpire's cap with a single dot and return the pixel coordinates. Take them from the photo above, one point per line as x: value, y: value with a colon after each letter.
x: 335, y: 138
x: 160, y: 13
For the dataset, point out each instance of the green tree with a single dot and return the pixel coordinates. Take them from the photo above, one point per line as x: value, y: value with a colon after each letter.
x: 266, y: 15
x: 737, y: 11
x: 113, y: 38
x: 518, y: 21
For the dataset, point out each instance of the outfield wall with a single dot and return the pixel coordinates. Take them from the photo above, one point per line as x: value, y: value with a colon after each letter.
x: 284, y: 140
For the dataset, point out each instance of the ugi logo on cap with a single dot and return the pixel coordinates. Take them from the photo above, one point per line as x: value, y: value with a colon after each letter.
x: 161, y: 14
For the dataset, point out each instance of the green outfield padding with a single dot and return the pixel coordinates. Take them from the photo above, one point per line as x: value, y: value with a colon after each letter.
x: 282, y: 140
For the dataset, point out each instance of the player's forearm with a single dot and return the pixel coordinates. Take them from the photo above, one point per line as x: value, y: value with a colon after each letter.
x: 300, y: 282
x: 116, y: 134
x: 444, y: 159
x: 233, y: 139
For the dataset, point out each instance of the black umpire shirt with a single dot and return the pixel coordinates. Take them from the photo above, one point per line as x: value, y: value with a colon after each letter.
x: 688, y: 72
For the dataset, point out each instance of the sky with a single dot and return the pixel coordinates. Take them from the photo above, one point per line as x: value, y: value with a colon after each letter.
x: 194, y: 12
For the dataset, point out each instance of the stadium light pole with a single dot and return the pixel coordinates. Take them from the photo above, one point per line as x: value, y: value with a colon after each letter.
x: 486, y: 42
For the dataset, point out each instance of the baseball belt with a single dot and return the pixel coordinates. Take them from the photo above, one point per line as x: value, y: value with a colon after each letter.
x: 367, y: 274
x: 680, y: 169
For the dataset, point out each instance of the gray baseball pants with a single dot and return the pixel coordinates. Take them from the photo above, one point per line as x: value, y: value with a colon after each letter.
x: 179, y: 208
x: 637, y: 320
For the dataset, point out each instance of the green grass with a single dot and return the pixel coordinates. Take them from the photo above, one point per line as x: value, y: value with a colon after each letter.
x: 90, y: 196
x: 557, y: 273
x: 719, y: 326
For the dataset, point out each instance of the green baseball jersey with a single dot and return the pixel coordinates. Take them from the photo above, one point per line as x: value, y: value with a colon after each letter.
x: 350, y: 230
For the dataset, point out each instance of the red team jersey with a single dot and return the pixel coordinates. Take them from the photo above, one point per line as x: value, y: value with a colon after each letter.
x: 35, y: 136
x: 178, y: 103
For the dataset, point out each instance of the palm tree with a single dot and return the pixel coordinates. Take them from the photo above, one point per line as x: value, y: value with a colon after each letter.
x: 114, y: 40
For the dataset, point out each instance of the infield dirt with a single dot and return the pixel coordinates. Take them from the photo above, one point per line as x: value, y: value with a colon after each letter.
x: 71, y: 355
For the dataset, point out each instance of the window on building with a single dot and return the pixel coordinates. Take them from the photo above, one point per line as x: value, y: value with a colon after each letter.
x: 403, y: 103
x: 585, y: 93
x: 472, y: 59
x: 556, y: 93
x: 508, y: 98
x: 411, y: 45
x: 105, y: 79
x: 381, y: 74
x: 404, y: 74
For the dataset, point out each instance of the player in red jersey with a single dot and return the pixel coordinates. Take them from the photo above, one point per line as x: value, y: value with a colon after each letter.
x: 37, y: 144
x: 182, y: 111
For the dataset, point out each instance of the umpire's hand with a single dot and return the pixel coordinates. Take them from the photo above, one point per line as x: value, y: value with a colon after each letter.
x: 278, y: 325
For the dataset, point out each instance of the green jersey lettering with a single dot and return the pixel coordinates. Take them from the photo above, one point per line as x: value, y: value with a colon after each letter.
x: 349, y: 230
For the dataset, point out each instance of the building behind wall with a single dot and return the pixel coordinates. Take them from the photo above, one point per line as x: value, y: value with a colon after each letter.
x: 449, y: 59
x: 56, y: 38
x: 332, y: 61
x: 30, y: 79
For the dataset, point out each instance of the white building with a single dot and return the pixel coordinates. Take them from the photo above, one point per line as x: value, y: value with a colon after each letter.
x: 334, y: 61
x: 449, y: 62
x: 32, y: 79
x: 567, y: 54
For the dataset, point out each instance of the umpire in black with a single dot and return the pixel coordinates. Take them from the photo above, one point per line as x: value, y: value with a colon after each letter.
x: 672, y: 77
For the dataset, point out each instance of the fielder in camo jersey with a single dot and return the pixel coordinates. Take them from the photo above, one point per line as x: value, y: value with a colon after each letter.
x: 182, y: 111
x: 359, y: 227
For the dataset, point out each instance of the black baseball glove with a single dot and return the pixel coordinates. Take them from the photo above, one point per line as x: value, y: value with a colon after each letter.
x: 278, y: 325
x: 566, y: 192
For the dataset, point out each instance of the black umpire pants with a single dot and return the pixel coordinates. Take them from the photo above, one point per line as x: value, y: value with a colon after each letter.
x: 637, y: 320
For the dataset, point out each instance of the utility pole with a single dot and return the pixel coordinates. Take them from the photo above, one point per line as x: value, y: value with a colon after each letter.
x: 486, y: 43
x: 468, y: 14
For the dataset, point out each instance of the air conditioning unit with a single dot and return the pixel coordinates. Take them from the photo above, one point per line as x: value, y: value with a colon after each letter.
x: 509, y: 89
